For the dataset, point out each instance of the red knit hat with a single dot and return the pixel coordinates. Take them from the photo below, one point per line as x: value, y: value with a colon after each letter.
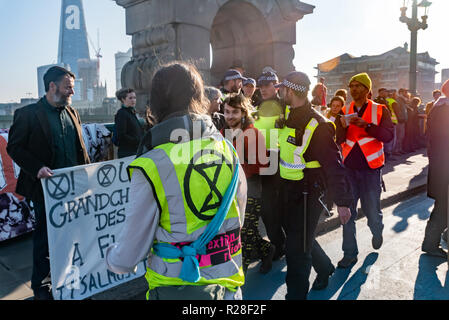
x: 445, y: 88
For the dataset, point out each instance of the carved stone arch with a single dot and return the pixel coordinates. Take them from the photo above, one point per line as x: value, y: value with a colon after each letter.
x: 240, y: 31
x: 258, y: 32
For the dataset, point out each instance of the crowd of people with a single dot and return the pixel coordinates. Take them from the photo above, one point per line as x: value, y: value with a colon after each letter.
x: 322, y: 154
x: 409, y: 118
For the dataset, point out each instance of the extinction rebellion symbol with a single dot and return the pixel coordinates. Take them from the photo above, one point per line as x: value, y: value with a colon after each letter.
x: 106, y: 175
x: 210, y: 172
x: 58, y: 187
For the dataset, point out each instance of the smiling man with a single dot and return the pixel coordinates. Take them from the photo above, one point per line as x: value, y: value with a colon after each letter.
x: 43, y: 137
x: 250, y: 146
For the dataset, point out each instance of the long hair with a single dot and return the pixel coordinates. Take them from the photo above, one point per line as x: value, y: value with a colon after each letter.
x: 238, y: 100
x: 177, y: 88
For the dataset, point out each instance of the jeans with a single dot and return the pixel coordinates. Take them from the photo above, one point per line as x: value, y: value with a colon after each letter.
x: 366, y: 186
x: 299, y: 245
x: 41, y: 259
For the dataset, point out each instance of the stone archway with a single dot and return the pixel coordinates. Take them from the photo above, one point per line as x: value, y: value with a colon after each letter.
x: 240, y: 31
x: 258, y: 32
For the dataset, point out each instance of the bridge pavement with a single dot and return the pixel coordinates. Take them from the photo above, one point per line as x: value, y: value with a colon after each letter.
x: 404, y: 179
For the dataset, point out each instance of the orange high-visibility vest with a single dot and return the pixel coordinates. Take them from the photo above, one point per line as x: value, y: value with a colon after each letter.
x: 372, y: 148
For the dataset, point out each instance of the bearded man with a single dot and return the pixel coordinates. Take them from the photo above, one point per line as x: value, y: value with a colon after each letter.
x: 45, y: 136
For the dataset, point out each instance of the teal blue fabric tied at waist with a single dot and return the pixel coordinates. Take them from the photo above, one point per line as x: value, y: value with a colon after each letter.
x: 190, y: 270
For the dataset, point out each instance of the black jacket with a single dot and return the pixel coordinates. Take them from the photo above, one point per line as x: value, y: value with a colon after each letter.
x: 129, y: 132
x: 437, y: 149
x: 30, y: 146
x: 323, y: 149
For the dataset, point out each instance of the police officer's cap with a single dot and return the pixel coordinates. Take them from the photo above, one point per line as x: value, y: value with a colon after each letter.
x: 297, y: 81
x: 249, y: 81
x: 232, y: 74
x: 267, y: 77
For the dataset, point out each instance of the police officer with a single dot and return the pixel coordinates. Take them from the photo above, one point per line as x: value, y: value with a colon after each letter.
x: 309, y: 161
x: 232, y: 82
x: 187, y: 189
x: 269, y: 114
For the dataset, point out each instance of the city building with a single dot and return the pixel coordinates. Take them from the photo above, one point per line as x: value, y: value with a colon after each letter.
x: 8, y: 109
x: 111, y: 106
x: 73, y: 42
x: 73, y: 54
x: 89, y: 73
x: 78, y: 90
x: 121, y: 58
x: 389, y: 70
x: 444, y: 75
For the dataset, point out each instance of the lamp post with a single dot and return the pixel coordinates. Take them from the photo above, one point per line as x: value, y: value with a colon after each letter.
x: 414, y: 25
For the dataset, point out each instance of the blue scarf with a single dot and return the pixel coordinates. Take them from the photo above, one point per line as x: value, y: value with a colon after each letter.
x: 190, y: 270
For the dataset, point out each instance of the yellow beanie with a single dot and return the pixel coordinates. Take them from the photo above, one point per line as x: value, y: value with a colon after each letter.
x: 364, y: 79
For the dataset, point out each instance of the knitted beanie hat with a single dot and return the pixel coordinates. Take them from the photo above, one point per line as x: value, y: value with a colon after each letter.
x: 364, y: 79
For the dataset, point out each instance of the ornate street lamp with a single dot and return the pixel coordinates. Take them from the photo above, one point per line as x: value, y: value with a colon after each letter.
x: 414, y: 25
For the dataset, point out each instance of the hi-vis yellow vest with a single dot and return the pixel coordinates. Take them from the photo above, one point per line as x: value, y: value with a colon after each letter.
x: 188, y: 181
x: 394, y: 118
x: 268, y: 113
x: 292, y: 162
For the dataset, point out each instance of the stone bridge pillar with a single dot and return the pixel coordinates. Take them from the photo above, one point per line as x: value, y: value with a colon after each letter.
x: 260, y: 33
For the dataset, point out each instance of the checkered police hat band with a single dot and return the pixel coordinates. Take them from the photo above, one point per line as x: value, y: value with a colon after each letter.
x: 294, y: 86
x: 233, y: 77
x: 272, y: 78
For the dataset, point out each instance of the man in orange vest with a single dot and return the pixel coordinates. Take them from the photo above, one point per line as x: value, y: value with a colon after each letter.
x: 362, y: 133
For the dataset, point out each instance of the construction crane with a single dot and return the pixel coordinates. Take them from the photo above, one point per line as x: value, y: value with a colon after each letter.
x: 97, y: 50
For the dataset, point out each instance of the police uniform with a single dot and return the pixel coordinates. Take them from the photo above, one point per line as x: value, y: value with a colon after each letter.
x: 267, y: 120
x: 310, y: 162
x: 231, y: 74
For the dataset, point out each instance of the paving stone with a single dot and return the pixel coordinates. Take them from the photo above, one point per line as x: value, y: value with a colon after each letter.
x: 15, y: 291
x: 424, y: 277
x: 17, y: 255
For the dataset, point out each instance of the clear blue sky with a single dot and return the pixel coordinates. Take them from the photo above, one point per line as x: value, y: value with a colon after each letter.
x: 29, y: 31
x: 367, y: 27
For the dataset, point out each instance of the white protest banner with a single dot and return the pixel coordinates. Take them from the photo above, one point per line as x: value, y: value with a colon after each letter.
x: 86, y: 207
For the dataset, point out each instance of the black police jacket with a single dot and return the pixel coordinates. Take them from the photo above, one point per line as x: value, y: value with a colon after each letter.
x: 323, y: 149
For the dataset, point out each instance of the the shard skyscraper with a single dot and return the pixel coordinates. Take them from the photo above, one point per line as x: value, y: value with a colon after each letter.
x: 73, y: 43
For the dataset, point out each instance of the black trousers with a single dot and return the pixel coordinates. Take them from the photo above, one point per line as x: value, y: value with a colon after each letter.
x: 321, y: 262
x: 271, y: 215
x: 437, y: 223
x: 300, y: 233
x: 41, y: 259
